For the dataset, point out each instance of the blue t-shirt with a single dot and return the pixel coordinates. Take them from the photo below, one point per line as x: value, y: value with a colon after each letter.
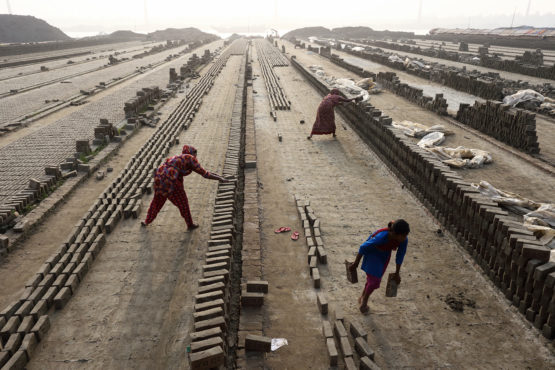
x: 375, y: 261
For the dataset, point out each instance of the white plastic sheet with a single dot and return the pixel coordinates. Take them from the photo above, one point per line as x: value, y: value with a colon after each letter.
x: 431, y: 140
x: 523, y: 95
x: 278, y: 343
x: 415, y: 129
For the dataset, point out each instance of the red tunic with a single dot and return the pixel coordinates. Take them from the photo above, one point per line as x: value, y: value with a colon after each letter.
x: 325, y: 118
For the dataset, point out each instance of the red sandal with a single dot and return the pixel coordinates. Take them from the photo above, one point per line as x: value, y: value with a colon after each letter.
x: 295, y: 235
x: 282, y: 229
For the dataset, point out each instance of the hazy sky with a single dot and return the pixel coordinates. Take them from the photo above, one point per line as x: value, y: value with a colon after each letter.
x: 258, y: 15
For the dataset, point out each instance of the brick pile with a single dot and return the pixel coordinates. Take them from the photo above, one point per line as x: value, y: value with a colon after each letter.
x: 513, y: 259
x: 512, y: 126
x: 391, y: 82
x: 25, y: 321
x: 145, y: 97
x: 270, y: 57
x: 212, y: 309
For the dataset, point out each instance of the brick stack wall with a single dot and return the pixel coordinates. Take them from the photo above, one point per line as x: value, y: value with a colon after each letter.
x: 515, y: 127
x: 391, y: 82
x: 507, y: 252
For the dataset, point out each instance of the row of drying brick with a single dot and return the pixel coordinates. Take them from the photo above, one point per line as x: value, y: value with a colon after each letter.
x: 276, y: 94
x: 213, y: 301
x: 511, y: 256
x: 317, y: 255
x: 512, y: 126
x: 60, y: 275
x: 391, y: 82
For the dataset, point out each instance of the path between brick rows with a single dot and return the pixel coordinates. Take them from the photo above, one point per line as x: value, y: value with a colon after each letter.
x: 133, y: 309
x: 507, y: 172
x: 353, y: 193
x: 26, y: 157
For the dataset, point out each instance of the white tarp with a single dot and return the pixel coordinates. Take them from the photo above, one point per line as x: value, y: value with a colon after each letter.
x: 523, y: 95
x: 538, y: 217
x: 415, y: 129
x: 431, y: 140
x: 395, y: 58
x: 461, y: 157
x: 345, y: 85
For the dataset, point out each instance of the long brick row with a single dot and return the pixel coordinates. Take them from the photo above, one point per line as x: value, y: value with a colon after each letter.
x: 25, y: 321
x: 267, y: 59
x: 508, y: 253
x: 209, y: 344
x: 512, y: 126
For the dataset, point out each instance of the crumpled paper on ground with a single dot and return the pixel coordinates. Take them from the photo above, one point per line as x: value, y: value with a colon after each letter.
x: 278, y: 342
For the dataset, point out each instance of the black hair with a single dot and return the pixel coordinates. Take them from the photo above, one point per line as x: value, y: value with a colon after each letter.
x: 400, y: 227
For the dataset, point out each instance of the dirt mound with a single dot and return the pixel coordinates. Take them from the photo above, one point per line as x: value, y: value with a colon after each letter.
x: 25, y: 28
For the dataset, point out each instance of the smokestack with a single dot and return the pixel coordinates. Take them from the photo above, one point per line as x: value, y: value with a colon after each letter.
x: 9, y: 6
x: 420, y: 10
x: 528, y: 8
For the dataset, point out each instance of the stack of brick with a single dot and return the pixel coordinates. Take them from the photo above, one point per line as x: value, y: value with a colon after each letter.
x: 528, y: 64
x: 173, y: 75
x: 212, y: 308
x: 105, y: 130
x: 512, y: 126
x: 36, y: 191
x: 515, y: 261
x: 25, y: 321
x: 144, y: 97
x: 391, y: 82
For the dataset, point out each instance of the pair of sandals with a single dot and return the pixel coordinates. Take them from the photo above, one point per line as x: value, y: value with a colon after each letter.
x: 294, y: 235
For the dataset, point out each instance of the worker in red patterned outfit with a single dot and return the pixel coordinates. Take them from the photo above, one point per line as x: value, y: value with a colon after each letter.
x: 168, y: 184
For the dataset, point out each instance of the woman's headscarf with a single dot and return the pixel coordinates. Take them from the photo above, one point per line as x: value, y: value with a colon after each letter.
x: 188, y: 149
x: 335, y: 92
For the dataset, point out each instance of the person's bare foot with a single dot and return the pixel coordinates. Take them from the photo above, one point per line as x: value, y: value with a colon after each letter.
x: 309, y: 137
x: 192, y: 227
x: 143, y: 224
x: 334, y: 135
x: 364, y: 310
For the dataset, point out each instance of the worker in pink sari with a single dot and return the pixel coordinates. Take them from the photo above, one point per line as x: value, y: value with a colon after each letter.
x: 325, y: 118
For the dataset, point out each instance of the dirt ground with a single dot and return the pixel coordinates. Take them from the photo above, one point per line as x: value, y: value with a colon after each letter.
x: 507, y: 171
x: 353, y: 194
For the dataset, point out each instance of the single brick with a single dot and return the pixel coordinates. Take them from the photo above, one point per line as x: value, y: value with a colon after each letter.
x: 207, y: 359
x: 26, y: 325
x: 203, y: 345
x: 258, y: 343
x: 13, y: 343
x: 322, y: 303
x: 358, y: 331
x: 368, y: 364
x: 350, y: 364
x: 206, y: 334
x: 257, y: 286
x: 345, y: 347
x: 252, y: 299
x: 332, y: 351
x: 62, y: 297
x: 326, y: 329
x: 363, y: 349
x: 339, y: 329
x: 29, y: 344
x: 316, y: 278
x: 9, y: 328
x: 17, y: 361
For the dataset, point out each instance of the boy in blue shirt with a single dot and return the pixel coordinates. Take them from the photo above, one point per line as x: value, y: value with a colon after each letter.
x: 375, y: 253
